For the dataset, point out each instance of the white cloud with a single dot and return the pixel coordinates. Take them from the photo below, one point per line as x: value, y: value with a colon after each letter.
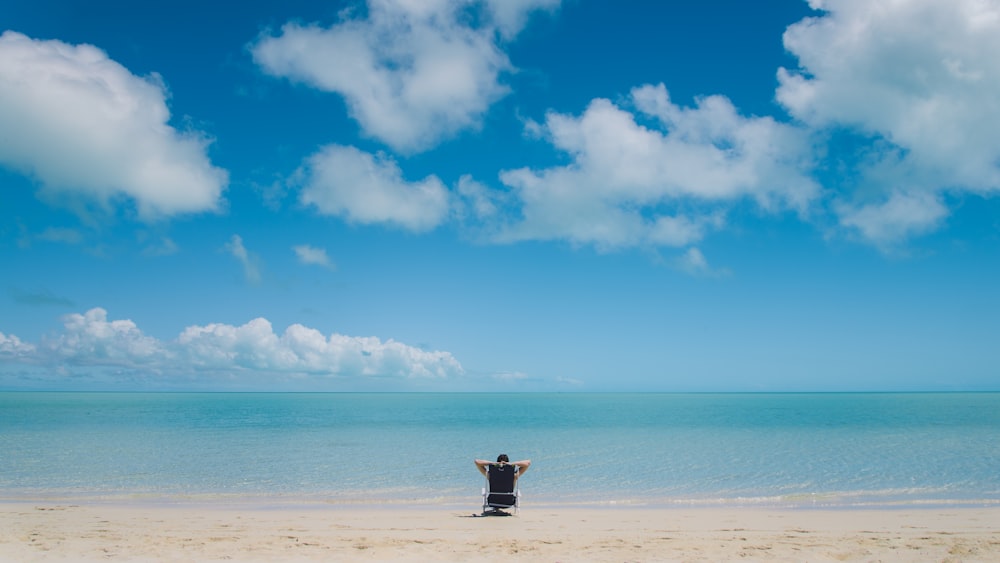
x: 91, y: 340
x: 255, y: 346
x: 919, y: 77
x: 11, y: 347
x: 476, y: 200
x: 87, y: 128
x: 569, y: 381
x: 312, y: 255
x: 365, y: 188
x: 900, y: 217
x: 666, y: 183
x: 300, y: 349
x: 694, y: 263
x: 509, y: 376
x: 250, y: 262
x: 412, y: 73
x: 509, y: 16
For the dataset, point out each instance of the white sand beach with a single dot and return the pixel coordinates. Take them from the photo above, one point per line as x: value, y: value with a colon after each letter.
x: 32, y: 531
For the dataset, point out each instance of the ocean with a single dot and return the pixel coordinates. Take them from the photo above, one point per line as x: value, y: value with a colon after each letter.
x: 587, y: 449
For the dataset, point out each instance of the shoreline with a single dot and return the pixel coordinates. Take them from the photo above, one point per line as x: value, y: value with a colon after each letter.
x: 43, y: 530
x: 332, y: 502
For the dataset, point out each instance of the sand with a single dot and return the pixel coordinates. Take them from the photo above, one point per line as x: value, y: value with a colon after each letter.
x: 51, y: 531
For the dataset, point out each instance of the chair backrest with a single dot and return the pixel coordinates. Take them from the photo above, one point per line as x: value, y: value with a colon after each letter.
x: 501, y: 477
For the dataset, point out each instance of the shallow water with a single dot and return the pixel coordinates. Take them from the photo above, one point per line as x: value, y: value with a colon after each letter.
x: 662, y: 449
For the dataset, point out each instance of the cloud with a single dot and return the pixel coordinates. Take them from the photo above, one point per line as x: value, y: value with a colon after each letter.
x: 164, y: 246
x: 250, y: 262
x: 369, y: 189
x: 569, y: 381
x: 12, y: 348
x: 510, y: 16
x: 900, y: 217
x: 694, y: 263
x: 917, y: 82
x: 412, y: 73
x: 63, y: 235
x: 300, y: 349
x: 509, y: 376
x: 87, y: 129
x: 312, y: 255
x: 481, y: 211
x: 667, y: 182
x: 90, y: 340
x: 475, y: 201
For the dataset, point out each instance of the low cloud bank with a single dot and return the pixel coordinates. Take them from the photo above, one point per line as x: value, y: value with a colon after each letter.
x: 90, y: 342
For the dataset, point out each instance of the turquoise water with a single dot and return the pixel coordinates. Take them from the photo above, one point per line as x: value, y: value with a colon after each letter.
x: 594, y: 449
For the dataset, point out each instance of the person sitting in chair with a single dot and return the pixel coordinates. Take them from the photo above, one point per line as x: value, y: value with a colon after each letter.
x: 501, y: 476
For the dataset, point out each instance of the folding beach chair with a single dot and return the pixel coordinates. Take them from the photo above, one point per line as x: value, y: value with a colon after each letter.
x: 501, y: 488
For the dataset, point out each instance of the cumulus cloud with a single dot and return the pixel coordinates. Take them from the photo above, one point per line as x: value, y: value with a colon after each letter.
x: 312, y: 255
x: 88, y: 129
x: 250, y: 262
x: 918, y: 82
x: 476, y: 200
x: 370, y: 189
x: 91, y: 340
x: 256, y: 346
x: 12, y: 348
x: 412, y: 73
x: 900, y: 217
x: 665, y: 183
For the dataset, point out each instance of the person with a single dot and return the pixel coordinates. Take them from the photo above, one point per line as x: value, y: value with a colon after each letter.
x: 502, y: 498
x: 502, y: 459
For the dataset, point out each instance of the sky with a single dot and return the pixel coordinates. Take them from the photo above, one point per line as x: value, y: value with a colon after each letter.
x: 500, y: 195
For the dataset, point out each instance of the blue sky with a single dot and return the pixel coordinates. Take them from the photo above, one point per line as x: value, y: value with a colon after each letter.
x: 530, y: 195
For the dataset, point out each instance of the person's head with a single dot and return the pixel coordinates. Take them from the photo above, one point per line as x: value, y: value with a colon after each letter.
x: 502, y: 458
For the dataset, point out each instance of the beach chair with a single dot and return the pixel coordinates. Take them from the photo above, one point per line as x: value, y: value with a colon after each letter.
x: 501, y: 490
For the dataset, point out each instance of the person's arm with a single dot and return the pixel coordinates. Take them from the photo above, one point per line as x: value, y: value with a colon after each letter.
x: 481, y: 465
x: 522, y: 466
